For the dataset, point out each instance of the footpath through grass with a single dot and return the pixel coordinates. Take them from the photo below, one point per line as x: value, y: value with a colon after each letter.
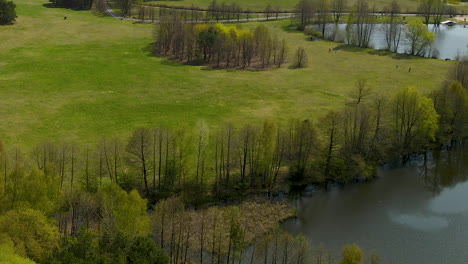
x: 91, y: 76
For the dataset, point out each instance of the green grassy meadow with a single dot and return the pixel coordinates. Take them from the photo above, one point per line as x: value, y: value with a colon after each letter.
x: 91, y: 76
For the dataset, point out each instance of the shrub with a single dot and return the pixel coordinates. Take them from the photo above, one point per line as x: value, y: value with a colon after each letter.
x: 7, y: 12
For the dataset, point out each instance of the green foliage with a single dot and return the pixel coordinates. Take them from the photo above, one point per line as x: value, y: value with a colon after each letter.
x: 414, y: 119
x: 418, y: 38
x: 124, y: 212
x: 8, y: 255
x: 145, y: 251
x: 38, y: 190
x: 31, y: 232
x: 7, y: 12
x: 352, y: 254
x: 451, y: 102
x: 80, y: 249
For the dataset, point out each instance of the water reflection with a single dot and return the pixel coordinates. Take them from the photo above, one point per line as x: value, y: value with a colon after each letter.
x: 450, y: 42
x: 414, y: 214
x: 421, y: 222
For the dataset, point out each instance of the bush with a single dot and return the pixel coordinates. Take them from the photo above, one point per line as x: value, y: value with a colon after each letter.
x: 352, y: 254
x: 7, y: 12
x: 310, y: 31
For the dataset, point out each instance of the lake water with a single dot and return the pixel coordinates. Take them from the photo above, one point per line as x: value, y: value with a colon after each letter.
x: 449, y: 41
x: 415, y: 214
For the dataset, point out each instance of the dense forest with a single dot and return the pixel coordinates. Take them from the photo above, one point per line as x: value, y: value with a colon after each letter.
x: 133, y: 200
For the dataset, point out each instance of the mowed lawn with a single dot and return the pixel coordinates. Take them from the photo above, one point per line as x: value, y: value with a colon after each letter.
x: 259, y: 5
x: 91, y: 76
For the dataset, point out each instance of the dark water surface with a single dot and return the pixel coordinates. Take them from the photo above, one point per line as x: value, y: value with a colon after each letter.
x: 416, y: 214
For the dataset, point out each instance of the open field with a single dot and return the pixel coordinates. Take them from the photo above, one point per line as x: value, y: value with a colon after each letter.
x: 91, y: 76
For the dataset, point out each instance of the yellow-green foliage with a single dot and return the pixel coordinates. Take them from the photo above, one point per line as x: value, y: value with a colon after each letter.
x: 32, y: 234
x: 38, y: 190
x: 352, y: 254
x: 8, y: 255
x: 415, y: 115
x: 126, y: 212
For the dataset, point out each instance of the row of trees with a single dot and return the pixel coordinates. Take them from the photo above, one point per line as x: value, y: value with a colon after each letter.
x: 218, y: 44
x: 215, y: 11
x: 7, y: 12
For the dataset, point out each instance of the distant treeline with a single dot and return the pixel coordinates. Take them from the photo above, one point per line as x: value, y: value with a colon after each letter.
x: 218, y: 44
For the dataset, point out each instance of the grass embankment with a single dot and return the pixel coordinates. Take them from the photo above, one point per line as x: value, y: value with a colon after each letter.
x: 91, y: 76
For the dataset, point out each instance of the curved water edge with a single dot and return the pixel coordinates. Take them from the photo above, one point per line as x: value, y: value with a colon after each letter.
x: 417, y: 213
x: 451, y: 42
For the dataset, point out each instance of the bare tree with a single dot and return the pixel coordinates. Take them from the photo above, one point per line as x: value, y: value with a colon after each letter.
x: 393, y: 27
x: 338, y: 9
x: 323, y: 15
x: 425, y: 9
x: 300, y: 58
x: 282, y: 53
x: 360, y: 24
x: 303, y: 13
x: 139, y: 148
x: 361, y: 91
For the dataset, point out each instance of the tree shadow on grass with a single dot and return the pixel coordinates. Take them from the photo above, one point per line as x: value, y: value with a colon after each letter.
x: 51, y: 5
x: 148, y: 49
x: 291, y: 28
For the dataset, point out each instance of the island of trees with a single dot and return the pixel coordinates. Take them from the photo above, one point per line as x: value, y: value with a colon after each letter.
x: 218, y: 44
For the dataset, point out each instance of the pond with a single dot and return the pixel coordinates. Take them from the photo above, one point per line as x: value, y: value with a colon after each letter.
x: 412, y: 214
x: 450, y: 41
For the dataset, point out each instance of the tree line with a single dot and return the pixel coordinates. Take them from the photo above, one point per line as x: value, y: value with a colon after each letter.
x: 218, y: 44
x: 216, y: 11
